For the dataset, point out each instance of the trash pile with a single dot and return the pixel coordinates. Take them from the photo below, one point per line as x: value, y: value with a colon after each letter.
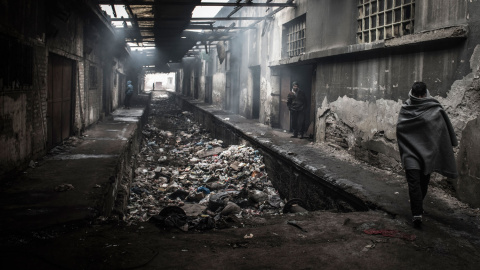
x: 190, y: 181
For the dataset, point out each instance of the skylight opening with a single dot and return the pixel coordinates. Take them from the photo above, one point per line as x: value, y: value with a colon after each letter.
x: 210, y: 11
x: 121, y: 12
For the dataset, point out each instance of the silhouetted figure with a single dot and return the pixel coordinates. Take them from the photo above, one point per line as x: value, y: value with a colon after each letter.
x: 128, y: 94
x: 425, y: 139
x: 296, y: 104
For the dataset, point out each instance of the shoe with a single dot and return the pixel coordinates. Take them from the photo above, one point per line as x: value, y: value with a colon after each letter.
x: 294, y: 136
x: 417, y: 221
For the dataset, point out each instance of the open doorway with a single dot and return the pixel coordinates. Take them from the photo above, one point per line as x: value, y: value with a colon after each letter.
x: 255, y: 75
x: 303, y: 76
x: 160, y: 81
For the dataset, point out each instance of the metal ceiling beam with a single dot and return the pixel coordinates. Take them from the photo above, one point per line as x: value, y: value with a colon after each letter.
x: 195, y: 19
x: 113, y: 8
x: 205, y: 27
x: 134, y: 20
x: 237, y: 8
x: 174, y: 3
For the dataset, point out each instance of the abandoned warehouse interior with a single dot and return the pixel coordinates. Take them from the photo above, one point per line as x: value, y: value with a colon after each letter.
x: 65, y: 67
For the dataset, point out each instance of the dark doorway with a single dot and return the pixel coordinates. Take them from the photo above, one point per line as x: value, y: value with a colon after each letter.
x: 284, y: 90
x: 121, y: 89
x: 255, y: 71
x: 106, y: 90
x: 228, y: 91
x: 302, y: 75
x: 59, y: 99
x: 208, y: 89
x: 196, y: 85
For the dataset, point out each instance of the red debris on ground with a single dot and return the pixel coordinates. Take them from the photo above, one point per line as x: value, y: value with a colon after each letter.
x: 392, y: 233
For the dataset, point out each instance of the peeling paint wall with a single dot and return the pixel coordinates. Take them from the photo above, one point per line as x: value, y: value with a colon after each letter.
x: 23, y: 113
x: 218, y: 91
x: 359, y: 88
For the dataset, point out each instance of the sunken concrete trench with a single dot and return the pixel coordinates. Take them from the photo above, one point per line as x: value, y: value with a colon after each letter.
x: 195, y: 169
x: 291, y: 179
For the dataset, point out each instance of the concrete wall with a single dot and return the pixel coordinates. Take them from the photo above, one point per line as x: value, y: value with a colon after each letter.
x: 73, y: 31
x: 359, y: 88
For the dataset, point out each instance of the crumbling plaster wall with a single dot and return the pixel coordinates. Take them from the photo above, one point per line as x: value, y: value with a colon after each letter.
x: 358, y: 102
x: 201, y: 80
x: 358, y: 96
x: 259, y: 46
x: 218, y: 89
x: 463, y: 105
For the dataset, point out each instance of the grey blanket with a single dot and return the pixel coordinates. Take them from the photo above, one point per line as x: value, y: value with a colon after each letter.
x: 426, y: 136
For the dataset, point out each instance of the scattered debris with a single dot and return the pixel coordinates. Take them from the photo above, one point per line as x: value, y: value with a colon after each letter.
x: 295, y: 206
x: 294, y: 223
x: 64, y: 187
x: 391, y: 233
x: 247, y: 236
x: 180, y: 165
x: 368, y: 247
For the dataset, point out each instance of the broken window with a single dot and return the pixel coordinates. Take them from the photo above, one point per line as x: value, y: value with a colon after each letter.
x: 383, y: 19
x: 93, y: 77
x: 16, y: 70
x: 294, y: 37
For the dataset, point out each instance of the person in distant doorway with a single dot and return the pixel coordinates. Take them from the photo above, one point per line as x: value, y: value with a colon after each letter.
x: 128, y: 94
x: 153, y: 87
x: 425, y: 138
x: 296, y: 104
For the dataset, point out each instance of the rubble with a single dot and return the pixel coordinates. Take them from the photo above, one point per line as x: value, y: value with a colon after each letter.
x: 181, y: 166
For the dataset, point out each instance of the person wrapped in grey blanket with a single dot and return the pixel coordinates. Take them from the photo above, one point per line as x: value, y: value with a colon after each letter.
x: 425, y: 138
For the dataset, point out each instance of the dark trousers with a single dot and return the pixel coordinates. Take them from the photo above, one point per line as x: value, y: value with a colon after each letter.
x: 417, y: 189
x: 298, y: 117
x: 127, y: 100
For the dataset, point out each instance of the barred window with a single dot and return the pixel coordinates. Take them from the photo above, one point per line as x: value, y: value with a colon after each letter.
x: 295, y: 36
x: 16, y: 70
x: 92, y: 77
x: 383, y: 19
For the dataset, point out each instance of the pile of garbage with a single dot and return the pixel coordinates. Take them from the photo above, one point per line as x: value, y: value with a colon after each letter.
x: 190, y: 181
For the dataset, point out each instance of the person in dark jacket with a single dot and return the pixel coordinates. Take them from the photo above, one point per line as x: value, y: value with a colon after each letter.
x: 425, y: 138
x: 296, y: 104
x: 128, y: 94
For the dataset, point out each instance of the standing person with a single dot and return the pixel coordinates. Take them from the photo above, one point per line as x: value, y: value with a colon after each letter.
x: 128, y: 94
x: 425, y: 138
x: 296, y: 104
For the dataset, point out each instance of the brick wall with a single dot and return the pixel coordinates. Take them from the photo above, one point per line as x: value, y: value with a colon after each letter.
x: 23, y: 110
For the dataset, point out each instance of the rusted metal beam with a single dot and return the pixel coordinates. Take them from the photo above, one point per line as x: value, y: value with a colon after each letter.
x: 237, y: 8
x: 206, y: 27
x: 196, y: 19
x: 134, y: 20
x: 113, y: 8
x: 174, y: 3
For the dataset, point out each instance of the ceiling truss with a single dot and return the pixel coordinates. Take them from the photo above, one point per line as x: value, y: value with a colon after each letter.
x: 168, y: 25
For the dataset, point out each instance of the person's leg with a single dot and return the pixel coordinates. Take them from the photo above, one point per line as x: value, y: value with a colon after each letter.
x: 300, y: 123
x: 424, y: 180
x: 294, y: 115
x: 415, y: 191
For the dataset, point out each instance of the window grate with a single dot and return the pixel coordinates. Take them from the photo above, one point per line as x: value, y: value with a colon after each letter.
x: 296, y: 37
x: 16, y: 70
x: 383, y: 19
